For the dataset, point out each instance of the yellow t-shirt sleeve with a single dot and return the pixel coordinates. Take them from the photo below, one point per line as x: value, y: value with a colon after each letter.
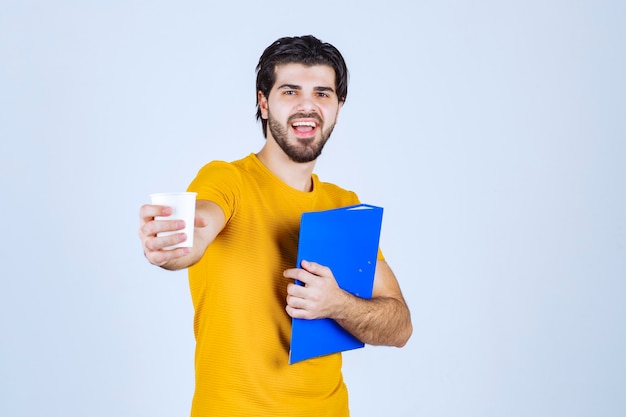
x: 219, y: 182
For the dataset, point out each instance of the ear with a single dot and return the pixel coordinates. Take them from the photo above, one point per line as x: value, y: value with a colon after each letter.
x: 262, y: 105
x: 338, y: 110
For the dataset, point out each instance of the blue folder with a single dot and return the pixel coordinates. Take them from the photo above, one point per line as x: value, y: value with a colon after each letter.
x: 345, y: 240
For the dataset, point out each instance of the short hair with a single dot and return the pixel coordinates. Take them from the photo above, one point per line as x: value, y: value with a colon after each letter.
x: 306, y: 50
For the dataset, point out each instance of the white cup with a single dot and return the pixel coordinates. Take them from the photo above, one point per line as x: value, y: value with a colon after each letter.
x: 183, y: 208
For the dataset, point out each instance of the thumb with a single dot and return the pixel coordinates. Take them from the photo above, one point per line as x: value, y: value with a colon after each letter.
x: 200, y: 221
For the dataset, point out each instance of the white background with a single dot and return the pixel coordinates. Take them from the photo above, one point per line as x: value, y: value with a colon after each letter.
x: 493, y: 133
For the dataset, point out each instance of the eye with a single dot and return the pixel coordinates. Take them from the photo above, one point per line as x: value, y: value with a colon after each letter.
x: 289, y: 92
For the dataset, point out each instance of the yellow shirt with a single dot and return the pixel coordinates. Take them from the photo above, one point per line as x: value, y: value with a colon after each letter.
x: 242, y: 329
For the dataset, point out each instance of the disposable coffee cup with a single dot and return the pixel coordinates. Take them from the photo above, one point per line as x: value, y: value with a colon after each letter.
x: 183, y: 208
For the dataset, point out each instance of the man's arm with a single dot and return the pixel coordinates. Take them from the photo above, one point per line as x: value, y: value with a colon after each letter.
x: 210, y: 220
x: 382, y: 320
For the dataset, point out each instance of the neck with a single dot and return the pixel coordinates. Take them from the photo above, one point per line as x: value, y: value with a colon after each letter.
x: 294, y: 174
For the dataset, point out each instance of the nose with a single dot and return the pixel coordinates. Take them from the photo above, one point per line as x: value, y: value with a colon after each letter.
x: 307, y: 105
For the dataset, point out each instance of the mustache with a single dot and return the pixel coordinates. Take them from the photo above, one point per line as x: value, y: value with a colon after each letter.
x: 315, y: 116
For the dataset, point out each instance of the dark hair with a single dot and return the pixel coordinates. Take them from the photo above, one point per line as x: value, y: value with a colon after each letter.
x: 306, y: 50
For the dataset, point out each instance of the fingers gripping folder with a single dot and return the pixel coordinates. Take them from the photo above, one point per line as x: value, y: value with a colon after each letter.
x: 345, y: 240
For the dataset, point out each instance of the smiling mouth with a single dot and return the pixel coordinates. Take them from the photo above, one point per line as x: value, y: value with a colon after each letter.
x: 304, y: 127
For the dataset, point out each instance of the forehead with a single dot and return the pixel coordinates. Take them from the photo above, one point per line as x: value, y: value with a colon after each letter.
x: 304, y: 75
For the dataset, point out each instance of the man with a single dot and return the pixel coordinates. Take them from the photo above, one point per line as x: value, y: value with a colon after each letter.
x: 241, y: 265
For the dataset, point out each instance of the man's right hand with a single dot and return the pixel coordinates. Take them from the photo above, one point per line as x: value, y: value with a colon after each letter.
x: 152, y: 244
x: 209, y: 221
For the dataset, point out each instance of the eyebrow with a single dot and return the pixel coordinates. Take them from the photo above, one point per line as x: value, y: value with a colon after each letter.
x: 297, y: 87
x: 324, y: 89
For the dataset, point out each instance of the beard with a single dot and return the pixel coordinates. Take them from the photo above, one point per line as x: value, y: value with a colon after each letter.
x: 303, y: 150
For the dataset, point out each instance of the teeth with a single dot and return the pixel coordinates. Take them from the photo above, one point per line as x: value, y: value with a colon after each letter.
x: 298, y: 124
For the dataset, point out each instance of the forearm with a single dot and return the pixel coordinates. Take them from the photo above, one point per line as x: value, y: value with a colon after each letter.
x: 376, y: 321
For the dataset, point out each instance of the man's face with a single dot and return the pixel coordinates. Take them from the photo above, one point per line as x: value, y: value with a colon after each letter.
x: 301, y: 109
